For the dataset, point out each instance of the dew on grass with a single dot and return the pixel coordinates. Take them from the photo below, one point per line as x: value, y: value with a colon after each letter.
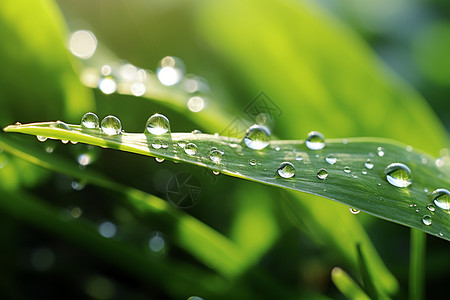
x: 89, y: 121
x: 252, y: 162
x: 156, y: 144
x: 216, y: 156
x: 369, y: 164
x: 315, y: 140
x: 441, y: 198
x: 159, y: 159
x: 380, y: 151
x: 257, y: 137
x: 158, y: 124
x: 427, y: 220
x: 41, y: 138
x: 331, y: 159
x: 322, y: 174
x: 286, y: 170
x: 398, y: 174
x: 190, y: 149
x: 111, y: 125
x: 354, y: 211
x: 347, y: 169
x: 431, y: 207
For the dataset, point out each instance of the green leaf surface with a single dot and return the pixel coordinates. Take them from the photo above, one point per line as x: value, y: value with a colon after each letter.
x: 347, y: 285
x: 369, y: 192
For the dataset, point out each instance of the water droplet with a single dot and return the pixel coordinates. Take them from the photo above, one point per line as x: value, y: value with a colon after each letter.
x: 322, y: 174
x: 431, y: 207
x: 427, y: 220
x: 78, y: 185
x: 196, y: 104
x: 158, y: 124
x: 380, y: 151
x: 252, y: 162
x: 111, y: 125
x: 60, y: 125
x: 159, y: 159
x: 182, y: 144
x: 164, y: 145
x: 64, y: 141
x: 286, y: 170
x: 107, y: 229
x: 441, y: 234
x: 409, y: 148
x: 156, y: 144
x: 89, y: 121
x: 157, y: 243
x: 379, y: 183
x: 347, y: 169
x: 107, y: 85
x: 138, y: 89
x: 331, y: 159
x: 354, y: 211
x: 277, y: 148
x: 425, y: 190
x: 354, y: 175
x: 216, y: 156
x: 364, y: 171
x: 369, y: 164
x: 216, y: 172
x: 315, y: 140
x: 257, y: 137
x: 441, y: 198
x: 170, y: 70
x: 41, y: 138
x: 190, y: 149
x: 398, y: 175
x: 196, y: 131
x: 84, y: 159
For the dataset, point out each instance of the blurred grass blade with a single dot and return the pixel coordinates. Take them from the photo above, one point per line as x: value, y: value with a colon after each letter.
x: 367, y: 277
x: 348, y: 180
x: 417, y: 265
x: 347, y: 286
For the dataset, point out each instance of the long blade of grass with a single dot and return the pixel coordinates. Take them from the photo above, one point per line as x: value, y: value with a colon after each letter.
x: 417, y: 265
x: 347, y: 285
x: 364, y: 188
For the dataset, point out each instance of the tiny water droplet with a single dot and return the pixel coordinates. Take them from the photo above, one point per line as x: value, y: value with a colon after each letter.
x: 190, y: 149
x: 441, y: 198
x: 156, y: 144
x: 216, y: 156
x: 315, y: 140
x: 368, y: 164
x: 182, y: 144
x: 331, y: 159
x: 354, y: 175
x: 379, y: 183
x: 322, y: 174
x: 64, y: 141
x: 354, y: 211
x: 380, y: 151
x: 164, y: 145
x: 277, y: 148
x: 364, y: 171
x: 398, y: 174
x: 158, y: 124
x: 111, y: 125
x: 196, y: 131
x: 60, y: 125
x: 347, y: 169
x: 159, y: 159
x: 441, y: 234
x: 89, y: 121
x: 216, y: 172
x: 427, y: 220
x: 425, y: 190
x: 252, y: 162
x: 257, y: 137
x: 286, y: 170
x: 409, y: 148
x: 41, y: 138
x: 299, y: 157
x: 431, y: 207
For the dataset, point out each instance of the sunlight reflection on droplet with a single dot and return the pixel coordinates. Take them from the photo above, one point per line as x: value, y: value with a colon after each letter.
x: 170, y: 70
x: 138, y: 89
x: 196, y: 104
x: 107, y: 85
x: 83, y: 44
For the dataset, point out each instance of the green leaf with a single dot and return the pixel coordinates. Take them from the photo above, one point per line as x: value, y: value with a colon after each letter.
x: 370, y: 192
x: 347, y: 285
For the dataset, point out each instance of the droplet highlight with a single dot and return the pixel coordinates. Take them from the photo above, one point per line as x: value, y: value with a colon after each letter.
x: 111, y: 125
x: 315, y: 141
x: 441, y: 198
x: 89, y: 121
x: 368, y: 164
x: 286, y: 170
x: 322, y: 174
x: 216, y: 156
x: 257, y: 137
x: 398, y: 174
x: 427, y: 220
x: 158, y: 124
x: 190, y: 149
x: 331, y: 159
x: 354, y: 211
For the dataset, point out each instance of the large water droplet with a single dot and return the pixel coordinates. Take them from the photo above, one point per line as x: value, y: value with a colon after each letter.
x: 257, y: 137
x: 315, y: 140
x: 216, y: 156
x: 441, y: 198
x: 286, y: 170
x: 398, y: 175
x: 89, y: 121
x: 322, y: 174
x: 354, y: 211
x: 190, y: 149
x: 331, y: 159
x: 111, y: 125
x: 427, y: 220
x: 369, y: 164
x: 158, y: 124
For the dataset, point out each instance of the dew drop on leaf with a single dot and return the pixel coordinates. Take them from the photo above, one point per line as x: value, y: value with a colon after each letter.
x: 347, y: 169
x: 158, y: 124
x: 322, y: 174
x: 216, y: 172
x: 441, y: 198
x: 315, y: 140
x: 331, y: 159
x: 286, y: 170
x: 431, y: 207
x: 216, y: 156
x: 252, y: 162
x: 427, y: 220
x: 368, y: 164
x: 257, y: 137
x: 89, y: 121
x: 111, y: 125
x: 158, y: 159
x: 41, y: 138
x: 190, y: 149
x: 380, y: 151
x: 354, y: 211
x: 398, y: 174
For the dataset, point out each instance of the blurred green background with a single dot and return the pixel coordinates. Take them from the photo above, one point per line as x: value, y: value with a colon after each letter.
x: 349, y: 68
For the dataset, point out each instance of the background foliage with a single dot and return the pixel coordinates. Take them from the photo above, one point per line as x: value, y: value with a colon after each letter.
x: 260, y: 242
